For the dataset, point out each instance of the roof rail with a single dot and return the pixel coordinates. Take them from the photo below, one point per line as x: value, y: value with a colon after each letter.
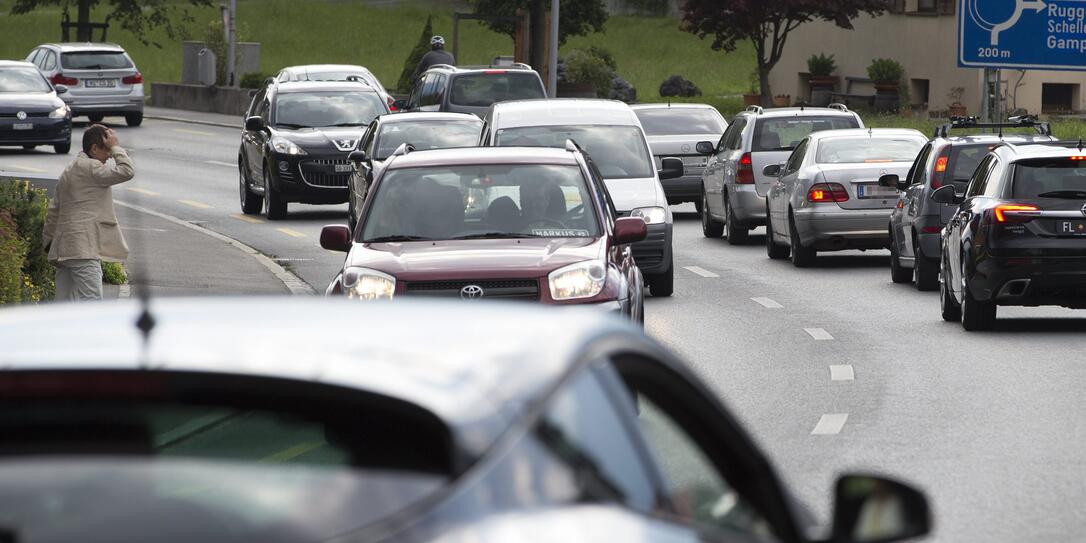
x: 1020, y: 121
x: 403, y: 149
x: 514, y: 66
x: 839, y: 107
x: 755, y: 109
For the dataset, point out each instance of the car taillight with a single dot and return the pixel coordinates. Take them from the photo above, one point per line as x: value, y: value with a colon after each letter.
x: 132, y: 79
x: 1014, y: 213
x: 60, y: 79
x: 1076, y: 158
x: 939, y: 171
x: 744, y: 174
x: 827, y: 192
x: 931, y: 229
x: 391, y: 103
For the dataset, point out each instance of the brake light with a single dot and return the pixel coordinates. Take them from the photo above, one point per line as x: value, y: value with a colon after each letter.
x: 133, y: 79
x: 939, y: 171
x: 492, y: 72
x: 827, y: 192
x: 931, y: 229
x: 744, y: 174
x: 60, y: 79
x: 1013, y: 213
x: 1077, y: 157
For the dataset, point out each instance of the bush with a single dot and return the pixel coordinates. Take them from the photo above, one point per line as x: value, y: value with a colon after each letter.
x: 113, y: 273
x: 622, y: 90
x: 26, y: 207
x: 12, y: 256
x: 421, y: 48
x: 677, y: 85
x: 821, y: 65
x: 583, y: 67
x: 253, y: 80
x: 604, y: 55
x: 885, y: 70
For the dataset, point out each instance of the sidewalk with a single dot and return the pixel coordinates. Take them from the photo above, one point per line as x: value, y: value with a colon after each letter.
x: 193, y: 117
x: 173, y: 260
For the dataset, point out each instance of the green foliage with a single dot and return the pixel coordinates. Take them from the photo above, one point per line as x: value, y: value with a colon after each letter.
x: 253, y: 80
x: 26, y: 206
x: 403, y: 85
x: 885, y: 69
x: 12, y: 255
x: 113, y: 273
x: 586, y: 68
x: 821, y: 65
x: 754, y: 81
x: 215, y: 40
x: 656, y: 8
x: 138, y: 18
x: 578, y: 17
x: 604, y: 55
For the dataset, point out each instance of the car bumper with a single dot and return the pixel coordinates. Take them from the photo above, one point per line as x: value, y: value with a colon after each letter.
x: 683, y: 189
x: 747, y: 204
x: 128, y: 103
x: 1059, y: 281
x: 653, y: 254
x: 310, y: 179
x: 45, y: 132
x: 832, y: 229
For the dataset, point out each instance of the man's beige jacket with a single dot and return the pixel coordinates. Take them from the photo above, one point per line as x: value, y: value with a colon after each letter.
x: 81, y: 222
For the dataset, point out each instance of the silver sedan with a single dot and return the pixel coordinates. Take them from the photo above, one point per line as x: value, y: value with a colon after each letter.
x: 827, y: 195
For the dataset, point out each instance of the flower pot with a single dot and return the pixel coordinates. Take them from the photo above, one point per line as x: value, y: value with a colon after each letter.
x: 887, y: 87
x: 782, y: 100
x: 752, y: 99
x: 823, y: 82
x: 957, y: 110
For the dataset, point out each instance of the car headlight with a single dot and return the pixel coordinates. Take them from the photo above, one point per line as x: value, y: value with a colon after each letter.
x: 580, y: 280
x: 286, y: 147
x: 651, y: 215
x: 366, y: 284
x: 60, y: 112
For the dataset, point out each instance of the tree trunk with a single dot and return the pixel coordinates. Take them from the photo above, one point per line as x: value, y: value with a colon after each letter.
x: 763, y: 82
x: 538, y: 34
x: 83, y: 30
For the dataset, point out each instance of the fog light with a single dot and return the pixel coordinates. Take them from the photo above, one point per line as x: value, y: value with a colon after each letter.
x: 283, y: 166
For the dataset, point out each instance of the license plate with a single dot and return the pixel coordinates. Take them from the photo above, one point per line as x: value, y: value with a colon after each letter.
x: 874, y: 191
x: 1072, y: 228
x: 695, y: 161
x: 99, y: 83
x: 23, y: 126
x: 344, y: 168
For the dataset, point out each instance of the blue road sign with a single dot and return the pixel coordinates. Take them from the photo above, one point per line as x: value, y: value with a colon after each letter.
x: 1024, y: 34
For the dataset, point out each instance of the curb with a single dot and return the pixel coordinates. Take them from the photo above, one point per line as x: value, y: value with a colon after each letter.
x: 295, y: 284
x: 191, y: 121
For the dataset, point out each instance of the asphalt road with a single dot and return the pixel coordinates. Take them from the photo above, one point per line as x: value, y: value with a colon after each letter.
x: 833, y: 369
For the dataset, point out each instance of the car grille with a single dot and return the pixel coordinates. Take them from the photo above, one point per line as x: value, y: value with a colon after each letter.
x: 506, y: 289
x: 28, y: 135
x: 12, y: 114
x: 321, y: 172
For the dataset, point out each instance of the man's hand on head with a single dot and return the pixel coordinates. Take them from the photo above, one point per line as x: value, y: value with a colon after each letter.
x: 111, y: 139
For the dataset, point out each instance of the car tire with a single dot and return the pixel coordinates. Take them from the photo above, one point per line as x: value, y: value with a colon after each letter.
x: 251, y: 203
x: 663, y: 285
x: 699, y: 205
x: 926, y: 272
x: 898, y: 273
x: 63, y: 148
x: 737, y: 232
x: 95, y: 117
x: 951, y: 311
x: 134, y: 119
x: 802, y: 257
x: 709, y: 226
x: 774, y: 250
x: 274, y: 206
x: 976, y: 315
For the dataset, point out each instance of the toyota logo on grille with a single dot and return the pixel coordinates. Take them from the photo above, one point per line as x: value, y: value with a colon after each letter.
x: 471, y: 292
x: 21, y: 115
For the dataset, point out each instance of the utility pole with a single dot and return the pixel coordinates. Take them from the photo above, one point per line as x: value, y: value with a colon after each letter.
x: 552, y: 66
x: 231, y: 43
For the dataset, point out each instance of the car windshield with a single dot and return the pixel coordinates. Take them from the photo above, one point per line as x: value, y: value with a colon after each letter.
x: 865, y: 149
x: 618, y: 151
x: 95, y: 60
x: 303, y: 110
x: 481, y: 201
x: 785, y: 133
x: 679, y: 121
x: 1050, y: 178
x: 428, y: 134
x: 485, y: 88
x: 23, y: 80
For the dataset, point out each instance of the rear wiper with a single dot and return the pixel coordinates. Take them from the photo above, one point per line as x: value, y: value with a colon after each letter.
x: 92, y: 67
x: 393, y: 239
x: 496, y: 235
x: 1068, y: 194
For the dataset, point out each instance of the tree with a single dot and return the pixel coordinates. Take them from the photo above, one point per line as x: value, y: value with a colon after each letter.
x: 767, y: 23
x: 135, y: 16
x: 421, y: 48
x: 578, y: 18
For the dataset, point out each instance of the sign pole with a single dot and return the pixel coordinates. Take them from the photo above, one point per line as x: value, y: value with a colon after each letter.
x: 552, y: 66
x: 231, y: 45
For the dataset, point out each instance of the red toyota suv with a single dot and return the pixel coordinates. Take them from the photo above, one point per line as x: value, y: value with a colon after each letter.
x: 512, y: 223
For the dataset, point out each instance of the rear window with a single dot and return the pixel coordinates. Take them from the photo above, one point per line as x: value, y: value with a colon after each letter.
x: 426, y: 135
x: 1050, y: 178
x: 484, y: 89
x: 860, y: 150
x: 94, y: 60
x: 785, y: 133
x: 679, y: 121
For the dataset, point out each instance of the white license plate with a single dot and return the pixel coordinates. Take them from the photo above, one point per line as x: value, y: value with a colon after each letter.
x: 875, y: 191
x: 99, y: 83
x: 23, y: 126
x: 344, y: 168
x: 695, y: 161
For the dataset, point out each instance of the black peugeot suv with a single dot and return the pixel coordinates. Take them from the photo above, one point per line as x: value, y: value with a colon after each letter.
x: 1018, y: 235
x: 296, y: 141
x: 472, y: 89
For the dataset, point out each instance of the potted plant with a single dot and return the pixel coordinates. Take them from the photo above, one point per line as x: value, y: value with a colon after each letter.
x: 754, y: 97
x: 886, y: 74
x: 782, y: 100
x: 822, y: 82
x: 955, y: 108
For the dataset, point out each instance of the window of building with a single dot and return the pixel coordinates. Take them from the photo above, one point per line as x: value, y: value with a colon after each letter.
x: 919, y: 91
x: 1059, y: 97
x: 925, y: 6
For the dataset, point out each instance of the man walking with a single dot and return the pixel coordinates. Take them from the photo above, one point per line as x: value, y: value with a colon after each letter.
x: 81, y: 225
x: 436, y: 55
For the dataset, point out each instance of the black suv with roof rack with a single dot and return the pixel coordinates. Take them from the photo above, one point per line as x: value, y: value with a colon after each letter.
x: 917, y: 222
x: 472, y: 89
x: 1018, y: 235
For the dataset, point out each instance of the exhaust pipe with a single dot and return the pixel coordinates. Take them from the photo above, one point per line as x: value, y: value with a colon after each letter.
x: 1014, y: 288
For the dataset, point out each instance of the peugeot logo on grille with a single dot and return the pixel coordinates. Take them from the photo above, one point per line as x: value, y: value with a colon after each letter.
x: 471, y: 292
x: 21, y: 115
x: 345, y: 144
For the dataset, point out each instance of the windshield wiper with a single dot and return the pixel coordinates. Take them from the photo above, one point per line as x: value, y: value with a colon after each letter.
x: 1067, y: 194
x: 92, y: 67
x: 345, y: 124
x: 497, y: 235
x: 292, y: 125
x: 393, y: 239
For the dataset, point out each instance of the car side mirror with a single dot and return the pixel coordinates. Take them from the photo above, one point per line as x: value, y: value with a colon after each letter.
x: 870, y: 509
x: 629, y: 230
x: 399, y: 105
x: 61, y: 89
x: 671, y: 168
x: 357, y: 157
x: 255, y: 124
x: 336, y: 237
x: 705, y: 148
x: 772, y: 170
x: 946, y: 194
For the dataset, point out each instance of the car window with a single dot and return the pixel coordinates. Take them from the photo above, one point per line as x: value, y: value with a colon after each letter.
x: 33, y: 56
x: 50, y: 62
x: 583, y: 428
x: 620, y: 151
x: 784, y: 133
x: 258, y: 99
x: 795, y: 160
x: 678, y: 121
x: 919, y: 167
x: 483, y: 89
x: 439, y: 89
x: 265, y: 107
x: 1049, y: 178
x: 601, y: 190
x: 980, y: 177
x: 423, y: 135
x: 94, y: 60
x: 429, y: 91
x: 733, y: 139
x: 19, y: 79
x: 868, y: 149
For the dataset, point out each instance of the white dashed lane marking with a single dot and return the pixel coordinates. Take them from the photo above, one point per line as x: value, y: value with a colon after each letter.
x: 830, y: 424
x: 143, y: 191
x: 818, y: 334
x: 193, y: 132
x: 700, y: 271
x: 843, y: 372
x: 291, y: 233
x: 768, y: 303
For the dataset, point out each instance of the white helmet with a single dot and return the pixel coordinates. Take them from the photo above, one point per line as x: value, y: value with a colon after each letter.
x: 437, y: 40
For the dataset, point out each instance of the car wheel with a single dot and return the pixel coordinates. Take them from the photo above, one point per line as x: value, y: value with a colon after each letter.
x: 976, y: 315
x: 95, y: 117
x: 63, y: 148
x: 663, y: 284
x: 802, y: 257
x: 951, y: 311
x: 274, y: 206
x: 738, y: 233
x: 926, y: 272
x: 709, y: 226
x: 251, y: 203
x: 898, y: 273
x: 699, y: 205
x: 134, y: 119
x: 773, y: 249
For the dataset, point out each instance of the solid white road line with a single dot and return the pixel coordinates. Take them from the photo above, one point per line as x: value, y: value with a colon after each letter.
x: 842, y: 372
x: 701, y: 271
x: 218, y: 163
x: 818, y: 334
x: 193, y: 132
x: 830, y: 424
x: 24, y: 168
x: 768, y: 303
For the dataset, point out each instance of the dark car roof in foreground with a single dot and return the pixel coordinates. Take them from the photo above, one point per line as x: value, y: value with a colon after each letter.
x: 475, y: 366
x: 485, y: 155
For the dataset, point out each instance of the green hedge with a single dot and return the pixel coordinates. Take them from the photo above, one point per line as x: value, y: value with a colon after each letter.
x: 24, y: 208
